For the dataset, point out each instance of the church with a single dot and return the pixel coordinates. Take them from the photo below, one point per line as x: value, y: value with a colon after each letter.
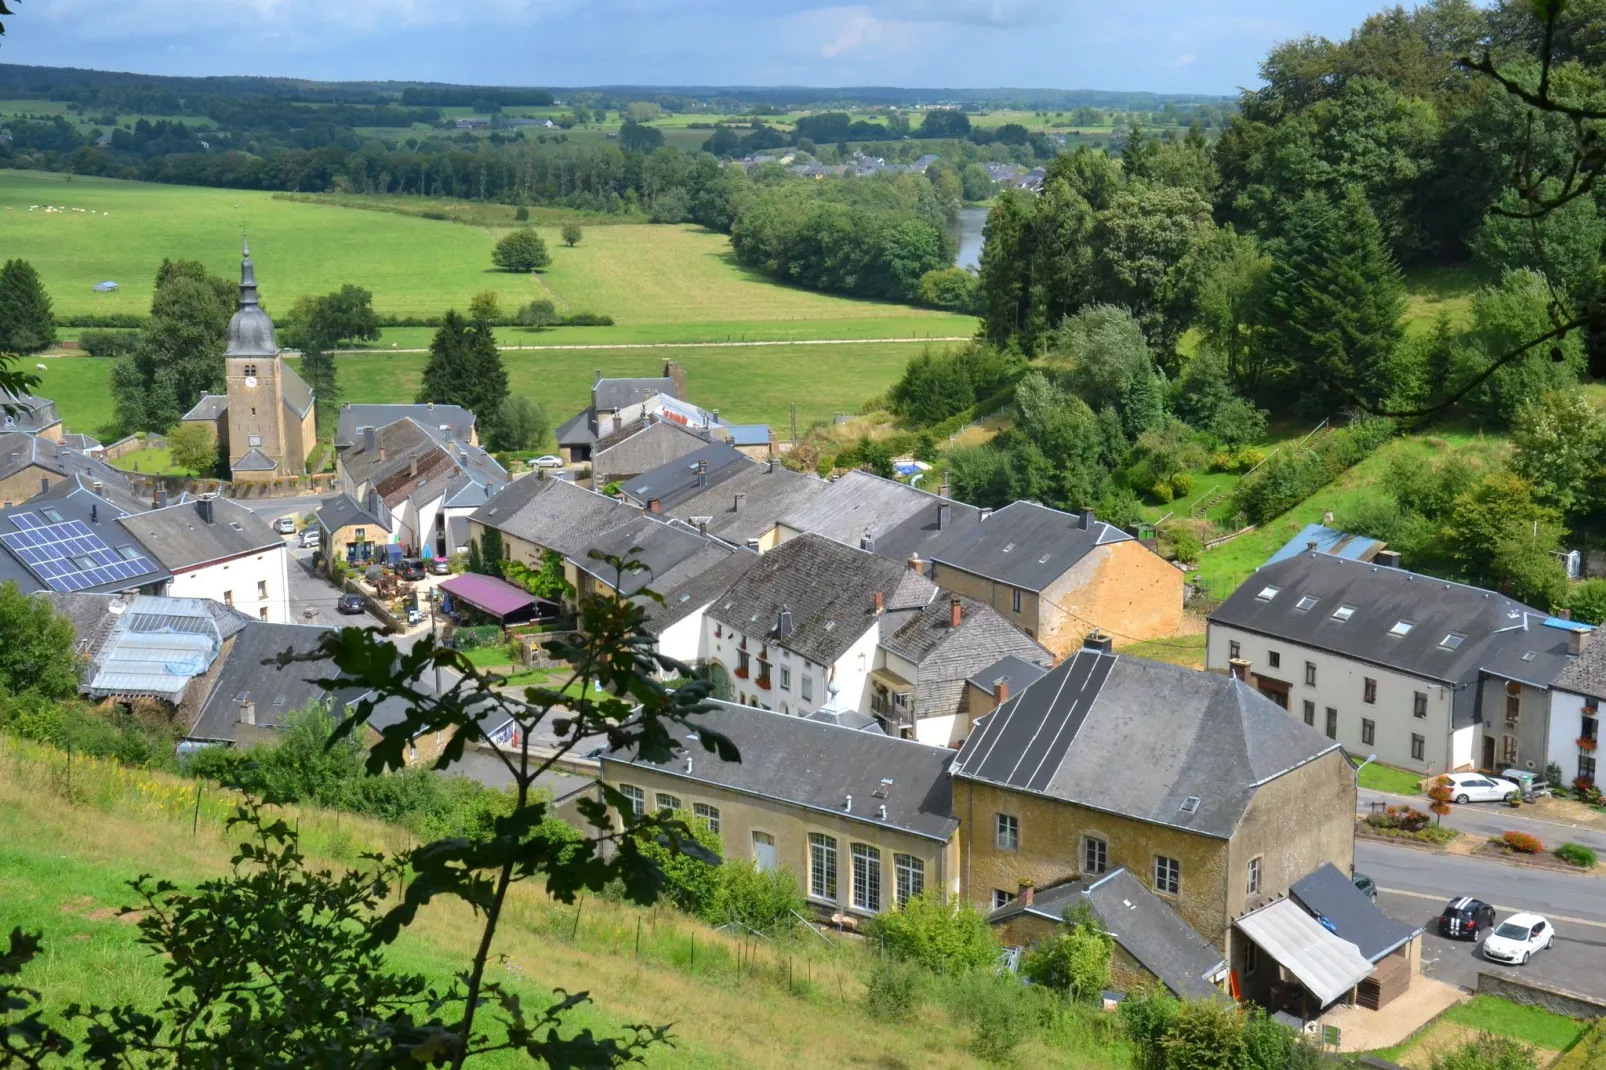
x: 266, y: 421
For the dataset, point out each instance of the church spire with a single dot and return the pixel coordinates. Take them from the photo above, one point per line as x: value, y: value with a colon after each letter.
x: 248, y: 278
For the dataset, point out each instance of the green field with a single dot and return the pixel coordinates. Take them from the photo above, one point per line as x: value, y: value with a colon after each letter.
x: 641, y: 275
x: 748, y: 384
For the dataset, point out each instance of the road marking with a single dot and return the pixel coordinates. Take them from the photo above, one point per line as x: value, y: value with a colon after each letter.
x: 1497, y: 906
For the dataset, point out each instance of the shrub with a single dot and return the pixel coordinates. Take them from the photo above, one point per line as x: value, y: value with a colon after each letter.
x: 1487, y: 1052
x: 1186, y: 546
x: 948, y: 938
x: 586, y: 319
x: 892, y: 991
x: 1293, y: 476
x: 1576, y: 854
x: 689, y: 882
x: 1161, y: 491
x: 768, y: 901
x: 1074, y: 961
x: 571, y: 234
x: 521, y: 214
x: 539, y: 313
x: 102, y: 343
x: 1522, y: 843
x: 998, y: 1012
x: 1181, y: 485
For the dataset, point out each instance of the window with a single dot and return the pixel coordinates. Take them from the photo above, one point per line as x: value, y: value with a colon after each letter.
x: 362, y: 535
x: 909, y: 874
x: 1586, y: 766
x: 667, y: 801
x: 1015, y: 600
x: 1095, y: 855
x: 636, y: 797
x: 1305, y: 602
x: 1419, y: 747
x: 1310, y: 674
x: 262, y: 588
x: 1167, y: 875
x: 1275, y: 658
x: 228, y: 598
x: 1234, y: 651
x: 262, y: 613
x: 1251, y: 958
x: 866, y: 877
x: 251, y: 370
x: 763, y: 852
x: 822, y: 866
x: 1513, y: 701
x: 1007, y: 831
x: 1402, y: 628
x: 1310, y: 713
x: 253, y: 440
x: 1002, y: 898
x: 1368, y: 690
x: 129, y: 553
x: 1343, y: 613
x: 1508, y: 750
x: 743, y: 664
x: 1332, y: 723
x: 709, y: 814
x: 1268, y: 592
x: 1451, y: 641
x: 1252, y: 880
x: 1368, y: 731
x: 1419, y: 704
x: 786, y: 678
x: 806, y: 688
x: 84, y: 562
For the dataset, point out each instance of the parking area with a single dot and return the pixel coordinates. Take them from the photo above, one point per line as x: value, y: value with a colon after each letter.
x: 1573, y: 964
x: 313, y: 597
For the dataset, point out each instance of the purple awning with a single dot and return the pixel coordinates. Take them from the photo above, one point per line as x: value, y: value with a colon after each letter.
x: 496, y: 597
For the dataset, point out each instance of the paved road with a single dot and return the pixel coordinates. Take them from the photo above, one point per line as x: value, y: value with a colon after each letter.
x: 1492, y: 819
x: 273, y: 508
x: 311, y: 593
x: 1438, y: 877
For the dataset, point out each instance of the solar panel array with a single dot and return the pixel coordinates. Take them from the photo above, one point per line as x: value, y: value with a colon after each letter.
x: 69, y: 556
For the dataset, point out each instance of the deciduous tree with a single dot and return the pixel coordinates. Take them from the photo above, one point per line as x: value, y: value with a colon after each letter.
x: 521, y: 251
x: 194, y: 446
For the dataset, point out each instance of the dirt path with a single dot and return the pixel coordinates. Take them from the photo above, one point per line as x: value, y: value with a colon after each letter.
x: 681, y: 345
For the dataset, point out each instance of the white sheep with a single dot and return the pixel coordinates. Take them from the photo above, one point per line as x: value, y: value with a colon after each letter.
x: 41, y: 367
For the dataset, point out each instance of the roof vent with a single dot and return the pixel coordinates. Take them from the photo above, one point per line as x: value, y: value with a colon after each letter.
x: 848, y: 804
x: 881, y: 811
x: 1190, y: 804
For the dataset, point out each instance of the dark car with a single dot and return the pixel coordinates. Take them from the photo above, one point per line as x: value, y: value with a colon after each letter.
x: 1366, y: 884
x: 1466, y: 918
x: 440, y: 566
x: 410, y: 568
x: 351, y: 603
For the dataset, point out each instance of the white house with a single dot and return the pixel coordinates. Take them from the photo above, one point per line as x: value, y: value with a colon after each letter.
x: 219, y: 550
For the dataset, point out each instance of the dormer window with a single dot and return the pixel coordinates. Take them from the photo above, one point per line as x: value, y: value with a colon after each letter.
x: 1402, y: 627
x: 1451, y: 641
x: 1343, y: 613
x: 1268, y: 593
x: 1305, y: 602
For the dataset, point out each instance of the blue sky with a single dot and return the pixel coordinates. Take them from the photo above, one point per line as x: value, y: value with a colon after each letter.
x: 1178, y: 46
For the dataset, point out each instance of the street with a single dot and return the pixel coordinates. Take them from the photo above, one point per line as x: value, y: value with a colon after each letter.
x: 1492, y: 819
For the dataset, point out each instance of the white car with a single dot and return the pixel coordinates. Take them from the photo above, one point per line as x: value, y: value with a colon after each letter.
x: 1474, y: 787
x: 548, y: 461
x: 1517, y: 938
x: 285, y: 525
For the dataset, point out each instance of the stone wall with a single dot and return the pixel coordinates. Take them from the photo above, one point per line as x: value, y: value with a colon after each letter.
x: 1536, y: 994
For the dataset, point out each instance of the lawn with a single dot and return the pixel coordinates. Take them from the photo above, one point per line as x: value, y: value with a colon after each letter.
x: 152, y: 461
x: 1542, y: 1029
x: 1185, y: 650
x: 1437, y: 291
x: 641, y: 275
x: 1379, y: 777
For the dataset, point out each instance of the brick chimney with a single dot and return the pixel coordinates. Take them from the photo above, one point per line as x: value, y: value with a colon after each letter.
x: 653, y: 506
x: 1027, y: 893
x: 1239, y: 669
x: 915, y: 564
x: 880, y: 602
x: 956, y: 612
x: 1001, y: 689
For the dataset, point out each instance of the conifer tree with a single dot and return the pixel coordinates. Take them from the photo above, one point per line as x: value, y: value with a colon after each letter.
x: 465, y: 368
x: 26, y: 322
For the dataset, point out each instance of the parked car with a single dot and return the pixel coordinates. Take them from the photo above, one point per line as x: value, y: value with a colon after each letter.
x: 285, y: 525
x: 1475, y: 787
x: 439, y: 566
x: 1367, y: 885
x: 410, y: 568
x: 351, y: 603
x: 1517, y: 938
x: 311, y: 537
x: 1466, y: 918
x: 548, y: 461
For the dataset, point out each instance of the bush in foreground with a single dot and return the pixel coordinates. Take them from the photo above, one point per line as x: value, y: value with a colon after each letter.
x: 946, y: 938
x: 1576, y: 854
x: 1522, y: 843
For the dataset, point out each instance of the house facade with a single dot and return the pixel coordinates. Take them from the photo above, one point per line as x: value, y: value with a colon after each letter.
x: 219, y: 550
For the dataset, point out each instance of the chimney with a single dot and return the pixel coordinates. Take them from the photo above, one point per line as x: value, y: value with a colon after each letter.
x: 97, y: 486
x: 412, y: 468
x: 848, y: 805
x: 1387, y: 558
x: 161, y: 499
x: 368, y: 439
x: 381, y: 453
x: 772, y: 465
x: 248, y: 711
x: 1565, y: 614
x: 1239, y: 669
x: 956, y: 612
x: 867, y: 541
x: 1097, y: 642
x: 1311, y: 546
x: 944, y: 515
x: 1001, y: 689
x: 915, y: 564
x: 784, y: 625
x: 598, y: 378
x: 702, y: 526
x: 94, y: 513
x: 752, y: 544
x: 702, y: 473
x: 741, y: 500
x: 1027, y: 893
x: 880, y: 602
x: 1577, y: 640
x: 44, y: 484
x: 373, y: 503
x: 653, y: 506
x: 431, y: 405
x: 1087, y: 520
x: 942, y: 489
x: 203, y: 506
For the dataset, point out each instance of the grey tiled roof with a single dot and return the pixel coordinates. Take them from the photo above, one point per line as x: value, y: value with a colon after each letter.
x: 554, y: 513
x: 830, y: 590
x: 1586, y: 675
x: 662, y: 548
x: 577, y: 430
x: 815, y: 766
x: 1025, y: 545
x: 276, y: 693
x: 767, y: 496
x: 209, y: 408
x: 615, y: 394
x: 254, y: 460
x: 179, y: 538
x: 344, y: 511
x: 294, y: 389
x: 696, y: 583
x: 1173, y: 734
x: 413, y: 461
x: 34, y: 414
x: 678, y: 480
x: 946, y: 656
x: 1020, y: 675
x: 100, y: 515
x: 638, y: 448
x: 901, y: 520
x: 353, y: 418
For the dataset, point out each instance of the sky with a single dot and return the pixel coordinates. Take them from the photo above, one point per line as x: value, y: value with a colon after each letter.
x: 1167, y: 46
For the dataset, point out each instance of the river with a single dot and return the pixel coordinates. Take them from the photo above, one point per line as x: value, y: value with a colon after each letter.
x: 967, y: 231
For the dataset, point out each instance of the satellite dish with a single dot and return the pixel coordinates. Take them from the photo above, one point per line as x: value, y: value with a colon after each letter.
x: 250, y: 380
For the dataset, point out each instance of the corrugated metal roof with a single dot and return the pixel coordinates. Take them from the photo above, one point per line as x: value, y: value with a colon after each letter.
x: 156, y: 648
x: 1328, y: 541
x: 1325, y: 964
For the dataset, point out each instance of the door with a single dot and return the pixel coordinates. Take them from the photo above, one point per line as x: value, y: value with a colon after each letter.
x: 763, y: 852
x: 1488, y: 752
x: 720, y: 678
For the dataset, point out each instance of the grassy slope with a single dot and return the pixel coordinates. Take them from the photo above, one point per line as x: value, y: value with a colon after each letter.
x: 640, y: 275
x: 1483, y: 1014
x: 63, y: 864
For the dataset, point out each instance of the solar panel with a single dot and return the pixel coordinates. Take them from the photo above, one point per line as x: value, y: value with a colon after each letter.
x: 69, y: 556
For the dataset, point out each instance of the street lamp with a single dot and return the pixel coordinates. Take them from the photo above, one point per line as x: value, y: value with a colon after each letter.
x: 1363, y: 765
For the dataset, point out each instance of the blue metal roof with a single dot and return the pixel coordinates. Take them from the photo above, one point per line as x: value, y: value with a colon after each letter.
x: 749, y: 434
x: 1328, y: 541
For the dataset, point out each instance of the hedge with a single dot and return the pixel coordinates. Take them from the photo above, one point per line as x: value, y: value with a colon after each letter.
x: 1297, y: 473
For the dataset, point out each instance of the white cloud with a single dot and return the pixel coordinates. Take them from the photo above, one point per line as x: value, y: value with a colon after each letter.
x: 289, y: 17
x: 856, y: 30
x: 1185, y: 60
x: 972, y: 12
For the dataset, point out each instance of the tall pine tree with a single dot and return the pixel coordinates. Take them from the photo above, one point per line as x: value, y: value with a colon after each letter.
x: 1334, y: 301
x: 465, y: 367
x: 26, y: 322
x: 1006, y: 268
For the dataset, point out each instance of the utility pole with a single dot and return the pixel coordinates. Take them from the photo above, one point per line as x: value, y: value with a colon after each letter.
x: 794, y: 423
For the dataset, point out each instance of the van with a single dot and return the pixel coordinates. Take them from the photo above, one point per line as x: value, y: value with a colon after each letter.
x: 311, y: 539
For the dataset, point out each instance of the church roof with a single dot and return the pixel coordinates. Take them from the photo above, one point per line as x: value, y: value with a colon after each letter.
x: 254, y: 461
x: 209, y: 408
x: 251, y: 329
x: 295, y: 391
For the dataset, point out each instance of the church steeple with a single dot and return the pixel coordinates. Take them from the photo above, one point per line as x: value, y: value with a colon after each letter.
x: 248, y: 277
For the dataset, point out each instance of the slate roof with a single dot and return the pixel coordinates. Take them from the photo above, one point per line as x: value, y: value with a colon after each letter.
x: 830, y: 590
x: 554, y: 513
x: 1026, y: 545
x: 180, y: 539
x: 34, y: 413
x: 638, y: 448
x: 1020, y: 674
x: 945, y: 655
x: 1175, y: 734
x: 100, y: 515
x: 353, y: 418
x: 344, y: 511
x: 577, y: 430
x: 73, y: 466
x: 1328, y: 894
x: 412, y: 461
x: 115, y: 487
x: 19, y: 450
x: 815, y: 766
x: 901, y: 520
x: 695, y: 583
x: 276, y: 693
x: 254, y: 460
x: 294, y: 390
x: 849, y: 719
x: 679, y: 480
x: 663, y: 548
x: 768, y: 494
x: 1328, y: 541
x: 210, y: 408
x: 1145, y: 926
x: 614, y: 394
x: 80, y: 442
x: 1586, y: 674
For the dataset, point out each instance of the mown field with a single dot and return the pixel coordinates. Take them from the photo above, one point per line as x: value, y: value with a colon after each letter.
x: 643, y: 276
x: 748, y: 384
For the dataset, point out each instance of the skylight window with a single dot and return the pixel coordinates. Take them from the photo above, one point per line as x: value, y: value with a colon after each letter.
x: 1268, y: 592
x: 1305, y: 602
x: 1343, y: 613
x: 1402, y: 627
x: 129, y: 553
x: 1190, y: 804
x: 52, y: 515
x: 1451, y: 641
x: 1529, y: 656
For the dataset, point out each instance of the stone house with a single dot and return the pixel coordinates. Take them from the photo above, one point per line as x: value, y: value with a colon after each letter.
x: 861, y: 819
x: 615, y: 404
x: 745, y: 509
x: 1575, y: 712
x: 354, y: 532
x: 883, y: 517
x: 1197, y: 784
x: 453, y: 421
x: 31, y: 414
